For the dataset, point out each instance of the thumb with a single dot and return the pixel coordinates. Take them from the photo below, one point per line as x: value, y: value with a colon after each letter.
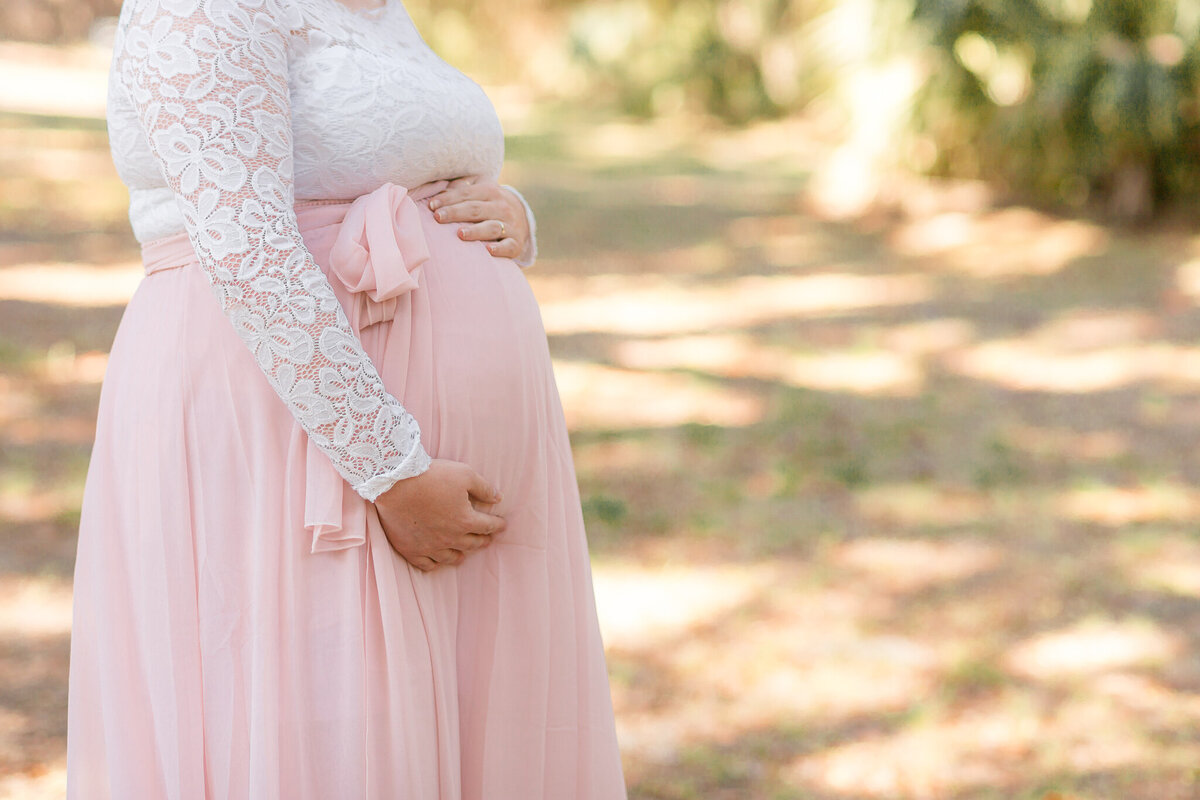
x: 481, y: 490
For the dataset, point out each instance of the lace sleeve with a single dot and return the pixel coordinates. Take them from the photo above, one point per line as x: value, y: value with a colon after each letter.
x: 209, y: 79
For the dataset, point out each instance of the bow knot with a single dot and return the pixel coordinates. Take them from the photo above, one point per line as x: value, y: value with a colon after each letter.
x: 378, y: 253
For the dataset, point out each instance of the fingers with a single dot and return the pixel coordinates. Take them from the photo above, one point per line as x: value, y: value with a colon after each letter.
x: 448, y: 558
x: 470, y: 211
x: 475, y: 541
x: 491, y: 230
x: 423, y: 563
x: 488, y: 214
x: 463, y: 189
x: 481, y: 523
x: 458, y: 183
x: 479, y: 489
x: 444, y: 558
x: 505, y: 248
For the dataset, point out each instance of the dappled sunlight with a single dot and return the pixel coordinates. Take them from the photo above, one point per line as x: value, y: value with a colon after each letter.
x: 595, y: 396
x: 75, y: 285
x: 1187, y: 280
x: 18, y: 401
x: 653, y: 305
x: 917, y: 505
x: 1167, y: 562
x: 929, y: 337
x: 642, y: 606
x: 1035, y: 365
x: 1082, y: 329
x: 993, y: 744
x: 906, y: 565
x: 20, y: 502
x: 34, y: 607
x: 931, y: 757
x: 897, y: 508
x: 794, y: 143
x: 877, y: 95
x: 1177, y: 575
x: 32, y: 430
x: 1002, y: 243
x: 738, y: 356
x: 1152, y: 701
x: 47, y: 781
x: 1115, y: 505
x: 1040, y: 440
x: 63, y: 365
x: 745, y: 649
x: 54, y: 163
x: 1094, y: 645
x: 706, y: 257
x: 1038, y: 362
x: 23, y: 419
x: 42, y: 80
x: 786, y: 242
x: 787, y: 145
x: 630, y: 141
x: 628, y: 457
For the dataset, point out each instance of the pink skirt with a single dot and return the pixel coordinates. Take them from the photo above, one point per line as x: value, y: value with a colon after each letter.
x: 242, y: 628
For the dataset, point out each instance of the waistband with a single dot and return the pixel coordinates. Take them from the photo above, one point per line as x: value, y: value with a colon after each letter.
x: 175, y: 251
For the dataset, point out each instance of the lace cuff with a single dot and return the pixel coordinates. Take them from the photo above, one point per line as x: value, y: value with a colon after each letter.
x: 416, y: 462
x: 529, y: 255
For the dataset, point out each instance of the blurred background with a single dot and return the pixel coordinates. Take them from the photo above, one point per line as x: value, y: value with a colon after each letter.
x: 876, y: 325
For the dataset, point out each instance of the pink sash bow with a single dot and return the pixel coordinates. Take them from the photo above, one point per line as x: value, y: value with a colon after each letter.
x: 378, y: 253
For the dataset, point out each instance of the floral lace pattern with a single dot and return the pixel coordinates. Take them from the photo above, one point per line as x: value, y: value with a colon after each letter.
x: 206, y: 93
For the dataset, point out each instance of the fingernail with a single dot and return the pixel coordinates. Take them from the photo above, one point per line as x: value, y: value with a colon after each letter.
x: 462, y: 234
x: 492, y: 249
x: 438, y: 215
x: 434, y: 205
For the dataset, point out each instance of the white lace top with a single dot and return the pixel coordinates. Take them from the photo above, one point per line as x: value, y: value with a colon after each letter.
x: 222, y: 113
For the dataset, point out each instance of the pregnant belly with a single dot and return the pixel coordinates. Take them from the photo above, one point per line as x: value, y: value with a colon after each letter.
x: 491, y: 365
x: 486, y: 395
x: 463, y: 349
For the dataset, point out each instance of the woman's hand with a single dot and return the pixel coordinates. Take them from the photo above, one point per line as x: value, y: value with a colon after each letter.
x: 494, y: 214
x: 430, y: 520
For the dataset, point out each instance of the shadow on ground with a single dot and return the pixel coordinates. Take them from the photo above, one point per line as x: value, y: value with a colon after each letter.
x: 897, y: 508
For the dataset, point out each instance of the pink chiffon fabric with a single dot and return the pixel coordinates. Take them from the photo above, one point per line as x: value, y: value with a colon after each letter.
x: 242, y: 628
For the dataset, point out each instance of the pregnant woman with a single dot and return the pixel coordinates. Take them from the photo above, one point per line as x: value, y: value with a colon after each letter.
x: 331, y: 545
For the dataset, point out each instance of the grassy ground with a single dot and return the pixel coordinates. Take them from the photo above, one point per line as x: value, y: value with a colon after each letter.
x: 902, y: 507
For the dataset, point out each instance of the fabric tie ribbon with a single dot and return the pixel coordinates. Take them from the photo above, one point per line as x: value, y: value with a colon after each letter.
x: 378, y: 253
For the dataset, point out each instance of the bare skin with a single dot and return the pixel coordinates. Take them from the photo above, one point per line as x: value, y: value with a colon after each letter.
x: 490, y: 212
x: 434, y: 519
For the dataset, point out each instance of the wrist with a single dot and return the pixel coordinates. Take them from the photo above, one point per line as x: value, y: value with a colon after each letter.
x: 416, y: 463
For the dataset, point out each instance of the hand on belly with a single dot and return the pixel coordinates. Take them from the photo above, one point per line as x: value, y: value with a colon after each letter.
x: 492, y: 213
x: 430, y: 520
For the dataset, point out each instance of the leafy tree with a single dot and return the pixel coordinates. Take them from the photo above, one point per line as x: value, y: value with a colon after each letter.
x: 1067, y: 99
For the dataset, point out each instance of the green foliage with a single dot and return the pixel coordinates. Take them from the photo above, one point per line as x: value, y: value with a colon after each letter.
x: 1066, y: 99
x: 605, y: 508
x: 736, y: 59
